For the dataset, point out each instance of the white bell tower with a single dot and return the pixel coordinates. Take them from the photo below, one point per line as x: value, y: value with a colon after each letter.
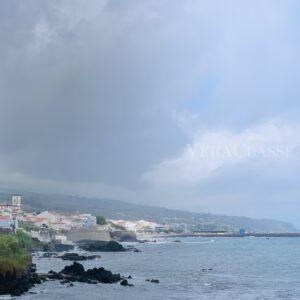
x: 16, y: 200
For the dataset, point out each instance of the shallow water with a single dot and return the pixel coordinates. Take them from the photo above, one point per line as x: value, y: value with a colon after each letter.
x: 242, y: 268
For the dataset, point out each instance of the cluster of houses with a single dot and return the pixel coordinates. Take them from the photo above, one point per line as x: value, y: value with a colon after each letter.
x: 50, y: 225
x: 140, y: 226
x: 58, y: 221
x: 12, y: 216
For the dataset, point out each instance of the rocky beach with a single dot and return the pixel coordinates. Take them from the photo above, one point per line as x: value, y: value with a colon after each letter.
x: 16, y: 280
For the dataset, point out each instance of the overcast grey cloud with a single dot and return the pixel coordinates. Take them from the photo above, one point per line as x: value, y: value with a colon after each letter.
x: 118, y: 99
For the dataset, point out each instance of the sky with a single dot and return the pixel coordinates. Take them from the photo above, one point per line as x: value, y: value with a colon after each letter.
x: 185, y: 104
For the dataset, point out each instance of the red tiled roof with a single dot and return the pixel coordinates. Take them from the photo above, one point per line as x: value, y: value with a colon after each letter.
x: 39, y: 220
x: 60, y: 223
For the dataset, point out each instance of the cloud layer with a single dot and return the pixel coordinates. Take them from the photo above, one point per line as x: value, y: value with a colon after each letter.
x: 119, y: 99
x: 210, y: 151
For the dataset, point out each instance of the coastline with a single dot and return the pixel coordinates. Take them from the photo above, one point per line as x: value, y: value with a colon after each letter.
x: 195, y: 268
x: 226, y: 234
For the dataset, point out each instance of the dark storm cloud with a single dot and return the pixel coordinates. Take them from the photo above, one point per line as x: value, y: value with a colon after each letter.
x: 83, y: 98
x: 115, y: 98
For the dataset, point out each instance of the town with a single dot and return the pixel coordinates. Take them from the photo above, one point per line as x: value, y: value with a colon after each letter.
x: 68, y: 227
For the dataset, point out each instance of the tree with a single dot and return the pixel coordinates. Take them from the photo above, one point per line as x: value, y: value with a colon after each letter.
x: 24, y: 240
x: 101, y: 220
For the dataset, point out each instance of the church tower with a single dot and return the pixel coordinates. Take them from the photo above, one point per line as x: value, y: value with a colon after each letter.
x: 16, y: 200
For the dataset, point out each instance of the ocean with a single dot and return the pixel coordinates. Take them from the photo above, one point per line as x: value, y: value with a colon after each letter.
x: 196, y: 268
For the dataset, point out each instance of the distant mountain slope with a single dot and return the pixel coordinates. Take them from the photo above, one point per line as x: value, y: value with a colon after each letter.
x: 116, y: 209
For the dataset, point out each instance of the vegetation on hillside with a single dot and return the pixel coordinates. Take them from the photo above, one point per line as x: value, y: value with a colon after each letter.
x: 101, y: 220
x: 28, y: 227
x: 14, y: 253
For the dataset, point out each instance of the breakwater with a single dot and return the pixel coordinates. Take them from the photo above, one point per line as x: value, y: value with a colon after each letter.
x: 231, y: 234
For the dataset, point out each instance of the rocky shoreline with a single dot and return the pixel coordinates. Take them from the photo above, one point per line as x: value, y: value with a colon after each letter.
x: 104, y: 246
x: 77, y: 273
x: 16, y: 285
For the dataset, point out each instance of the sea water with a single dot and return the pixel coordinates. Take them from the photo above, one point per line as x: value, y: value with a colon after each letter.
x: 195, y: 268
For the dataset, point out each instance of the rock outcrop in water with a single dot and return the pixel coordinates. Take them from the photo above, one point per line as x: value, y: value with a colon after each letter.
x: 77, y: 257
x: 153, y: 280
x: 104, y: 246
x: 125, y: 282
x: 77, y: 273
x: 101, y: 246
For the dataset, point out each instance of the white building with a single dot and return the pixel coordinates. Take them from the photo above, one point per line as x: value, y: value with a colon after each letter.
x: 88, y: 221
x: 61, y: 238
x: 37, y: 221
x: 14, y: 206
x: 8, y: 222
x: 137, y: 226
x: 16, y: 200
x: 59, y: 226
x: 51, y: 217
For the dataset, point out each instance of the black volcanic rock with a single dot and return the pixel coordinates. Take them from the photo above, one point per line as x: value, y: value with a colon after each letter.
x: 49, y: 255
x: 55, y: 275
x: 132, y: 249
x: 74, y: 269
x: 76, y: 273
x: 153, y: 280
x: 101, y: 246
x: 102, y: 275
x: 77, y: 257
x: 17, y: 285
x: 124, y: 282
x: 58, y: 247
x: 104, y: 246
